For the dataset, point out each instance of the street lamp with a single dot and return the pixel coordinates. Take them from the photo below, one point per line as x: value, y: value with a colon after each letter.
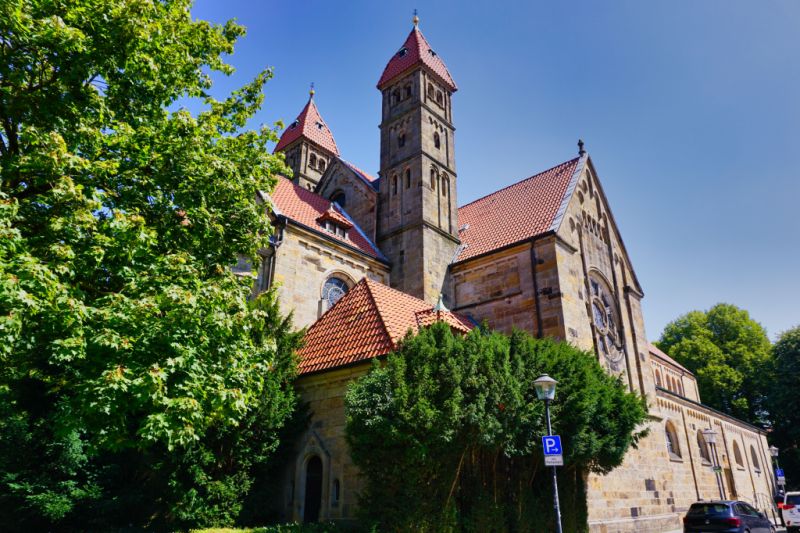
x: 546, y: 390
x: 711, y: 438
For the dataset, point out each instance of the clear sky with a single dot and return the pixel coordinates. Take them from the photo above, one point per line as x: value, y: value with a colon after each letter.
x: 690, y: 110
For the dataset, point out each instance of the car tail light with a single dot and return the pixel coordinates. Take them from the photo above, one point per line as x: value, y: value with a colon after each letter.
x: 733, y: 522
x: 788, y: 506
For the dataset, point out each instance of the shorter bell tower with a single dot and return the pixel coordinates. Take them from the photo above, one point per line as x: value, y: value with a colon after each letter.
x: 309, y: 145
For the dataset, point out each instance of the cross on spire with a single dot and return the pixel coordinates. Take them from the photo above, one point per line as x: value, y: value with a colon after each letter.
x: 415, y: 20
x: 311, y: 91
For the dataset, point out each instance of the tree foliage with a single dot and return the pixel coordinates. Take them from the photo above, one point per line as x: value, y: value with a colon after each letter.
x: 127, y: 346
x: 447, y: 431
x: 782, y: 401
x: 729, y: 354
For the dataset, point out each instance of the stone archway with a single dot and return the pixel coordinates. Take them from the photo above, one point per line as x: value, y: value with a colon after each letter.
x: 313, y: 490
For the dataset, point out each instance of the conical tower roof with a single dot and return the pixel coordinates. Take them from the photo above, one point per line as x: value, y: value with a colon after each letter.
x: 309, y: 124
x: 414, y: 52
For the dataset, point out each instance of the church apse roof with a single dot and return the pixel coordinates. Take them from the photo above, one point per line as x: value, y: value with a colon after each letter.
x: 368, y: 322
x: 518, y: 212
x: 309, y: 124
x: 308, y: 209
x: 416, y: 51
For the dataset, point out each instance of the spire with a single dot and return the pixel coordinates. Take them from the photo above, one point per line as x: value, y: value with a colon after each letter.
x: 310, y: 125
x: 440, y: 308
x: 581, y: 151
x: 414, y: 52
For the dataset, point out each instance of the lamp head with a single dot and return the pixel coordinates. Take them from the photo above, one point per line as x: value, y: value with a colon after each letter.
x: 710, y: 435
x: 773, y: 451
x: 545, y: 387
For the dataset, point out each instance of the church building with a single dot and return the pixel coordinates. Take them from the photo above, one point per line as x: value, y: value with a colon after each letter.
x: 361, y: 259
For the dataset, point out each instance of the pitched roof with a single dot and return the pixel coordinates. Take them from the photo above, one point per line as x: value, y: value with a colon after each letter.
x: 416, y: 51
x: 305, y: 207
x: 309, y: 124
x: 663, y: 356
x: 522, y: 211
x: 367, y: 322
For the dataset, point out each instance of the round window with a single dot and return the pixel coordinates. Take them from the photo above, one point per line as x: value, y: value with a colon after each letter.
x: 604, y: 318
x: 333, y: 290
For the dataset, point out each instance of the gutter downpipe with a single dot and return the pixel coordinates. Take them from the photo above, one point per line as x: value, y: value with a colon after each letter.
x: 536, y: 295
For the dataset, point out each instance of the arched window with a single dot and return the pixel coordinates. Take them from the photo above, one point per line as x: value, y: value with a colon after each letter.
x: 737, y: 454
x: 445, y: 185
x: 408, y: 178
x: 407, y: 92
x: 439, y: 98
x: 312, y: 160
x: 395, y: 97
x: 702, y: 445
x: 436, y: 141
x: 394, y: 184
x: 605, y: 321
x: 433, y: 179
x: 673, y: 446
x: 333, y: 289
x: 401, y: 140
x: 340, y: 198
x: 335, y: 493
x: 430, y: 91
x: 680, y: 387
x: 658, y: 378
x: 754, y: 457
x: 321, y: 165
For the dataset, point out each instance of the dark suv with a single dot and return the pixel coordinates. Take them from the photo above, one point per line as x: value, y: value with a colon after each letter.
x: 725, y: 517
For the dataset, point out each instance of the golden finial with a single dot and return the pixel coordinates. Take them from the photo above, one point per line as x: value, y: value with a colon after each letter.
x: 415, y: 19
x: 311, y: 92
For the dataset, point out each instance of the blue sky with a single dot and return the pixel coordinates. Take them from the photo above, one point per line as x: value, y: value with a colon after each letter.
x: 689, y: 108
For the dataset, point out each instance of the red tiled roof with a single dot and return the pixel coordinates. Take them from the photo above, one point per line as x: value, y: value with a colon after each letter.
x: 367, y: 322
x: 663, y: 355
x: 309, y: 124
x: 306, y: 207
x: 417, y: 51
x: 519, y: 212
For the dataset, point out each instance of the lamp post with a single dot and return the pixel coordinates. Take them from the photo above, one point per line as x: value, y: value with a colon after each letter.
x: 711, y: 438
x: 546, y: 390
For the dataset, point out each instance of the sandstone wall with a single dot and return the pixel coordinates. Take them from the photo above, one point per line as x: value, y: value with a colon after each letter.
x: 305, y: 260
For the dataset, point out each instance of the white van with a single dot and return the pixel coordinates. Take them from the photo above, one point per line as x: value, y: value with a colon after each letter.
x: 791, y: 511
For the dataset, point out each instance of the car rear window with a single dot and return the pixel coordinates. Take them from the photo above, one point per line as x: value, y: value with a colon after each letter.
x: 794, y: 499
x: 708, y: 508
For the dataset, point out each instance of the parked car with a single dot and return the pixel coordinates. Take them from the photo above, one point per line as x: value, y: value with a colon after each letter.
x: 725, y: 517
x: 790, y: 509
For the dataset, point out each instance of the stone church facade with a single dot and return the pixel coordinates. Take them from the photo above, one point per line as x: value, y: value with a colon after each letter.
x: 360, y: 259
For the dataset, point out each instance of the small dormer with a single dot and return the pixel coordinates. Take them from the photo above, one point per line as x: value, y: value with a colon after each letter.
x: 335, y: 223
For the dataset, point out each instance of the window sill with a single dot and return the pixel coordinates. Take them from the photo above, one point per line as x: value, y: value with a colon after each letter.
x: 705, y: 462
x: 675, y: 458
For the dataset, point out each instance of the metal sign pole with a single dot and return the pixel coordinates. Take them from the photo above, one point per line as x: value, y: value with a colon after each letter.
x: 555, y: 478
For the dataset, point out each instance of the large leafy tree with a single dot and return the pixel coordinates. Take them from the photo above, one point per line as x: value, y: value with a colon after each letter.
x: 730, y: 355
x: 782, y: 401
x: 123, y: 331
x: 447, y: 431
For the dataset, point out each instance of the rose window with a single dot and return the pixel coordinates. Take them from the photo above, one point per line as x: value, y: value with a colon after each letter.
x: 609, y: 343
x: 333, y: 290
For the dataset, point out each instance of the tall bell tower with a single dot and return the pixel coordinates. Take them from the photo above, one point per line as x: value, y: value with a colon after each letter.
x: 418, y: 215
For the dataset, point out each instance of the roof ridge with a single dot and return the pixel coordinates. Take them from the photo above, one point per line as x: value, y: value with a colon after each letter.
x: 570, y: 190
x: 520, y: 181
x: 367, y: 283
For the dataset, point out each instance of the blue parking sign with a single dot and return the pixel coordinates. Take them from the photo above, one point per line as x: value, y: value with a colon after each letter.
x: 779, y: 472
x: 551, y: 445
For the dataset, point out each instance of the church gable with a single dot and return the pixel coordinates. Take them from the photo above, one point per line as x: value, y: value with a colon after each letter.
x: 354, y: 190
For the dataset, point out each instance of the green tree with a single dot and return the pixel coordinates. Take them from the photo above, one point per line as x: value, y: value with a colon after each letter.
x: 128, y: 348
x: 782, y: 403
x: 447, y: 431
x: 729, y: 354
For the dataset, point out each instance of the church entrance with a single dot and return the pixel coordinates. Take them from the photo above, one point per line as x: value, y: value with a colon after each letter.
x: 313, y: 499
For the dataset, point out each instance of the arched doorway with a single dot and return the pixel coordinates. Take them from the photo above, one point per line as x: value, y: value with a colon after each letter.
x: 313, y: 499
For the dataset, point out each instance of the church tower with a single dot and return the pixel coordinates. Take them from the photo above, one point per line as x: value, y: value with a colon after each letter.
x: 417, y: 215
x: 309, y: 145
